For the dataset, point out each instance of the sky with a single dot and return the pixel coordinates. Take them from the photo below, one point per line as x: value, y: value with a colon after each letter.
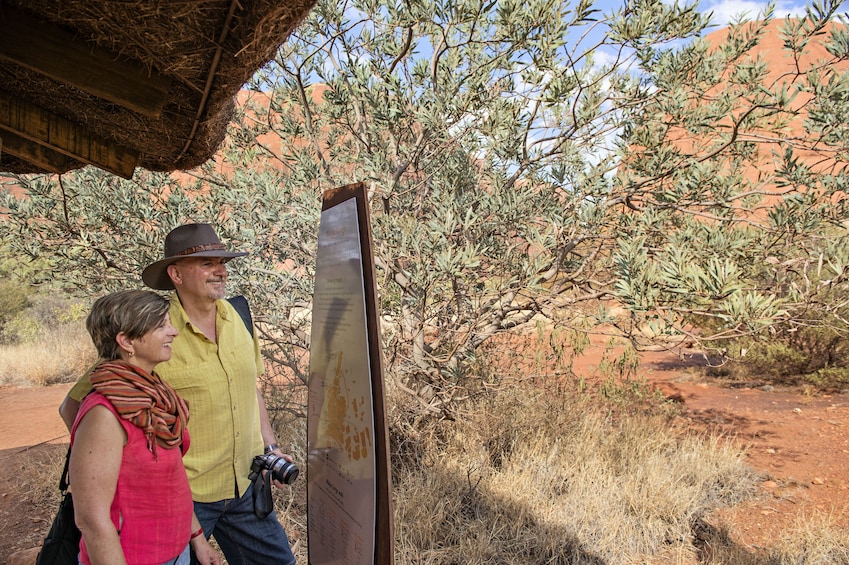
x: 724, y: 11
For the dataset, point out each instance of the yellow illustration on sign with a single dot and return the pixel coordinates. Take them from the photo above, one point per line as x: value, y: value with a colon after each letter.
x: 346, y: 425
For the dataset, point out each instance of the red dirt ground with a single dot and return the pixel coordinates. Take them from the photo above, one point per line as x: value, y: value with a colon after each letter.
x: 800, y: 444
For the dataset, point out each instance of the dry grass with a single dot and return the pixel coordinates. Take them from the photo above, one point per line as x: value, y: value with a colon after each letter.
x: 814, y: 540
x: 35, y: 472
x: 528, y: 476
x: 533, y: 476
x: 58, y: 355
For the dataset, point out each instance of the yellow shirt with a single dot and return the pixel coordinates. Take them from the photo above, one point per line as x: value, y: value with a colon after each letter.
x: 218, y: 381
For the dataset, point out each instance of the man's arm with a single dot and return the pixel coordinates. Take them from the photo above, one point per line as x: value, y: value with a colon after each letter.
x: 68, y: 411
x: 71, y: 405
x: 268, y: 437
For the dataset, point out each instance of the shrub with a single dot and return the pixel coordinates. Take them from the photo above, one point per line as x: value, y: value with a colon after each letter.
x: 44, y: 313
x: 57, y: 355
x: 830, y: 379
x: 815, y: 356
x: 14, y: 297
x: 46, y: 343
x: 532, y: 474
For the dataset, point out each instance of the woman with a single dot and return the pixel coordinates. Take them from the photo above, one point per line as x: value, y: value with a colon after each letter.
x: 131, y: 495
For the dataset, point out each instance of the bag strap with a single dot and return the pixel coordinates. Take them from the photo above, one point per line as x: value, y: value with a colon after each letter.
x: 240, y: 303
x: 261, y: 494
x: 63, y: 480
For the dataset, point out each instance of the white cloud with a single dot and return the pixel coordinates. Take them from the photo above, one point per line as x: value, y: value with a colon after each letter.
x: 725, y: 11
x: 603, y: 57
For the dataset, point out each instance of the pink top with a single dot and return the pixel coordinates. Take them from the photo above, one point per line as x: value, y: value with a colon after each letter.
x: 152, y: 508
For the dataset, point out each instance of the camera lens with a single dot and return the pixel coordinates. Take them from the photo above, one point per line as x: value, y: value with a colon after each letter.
x: 283, y: 471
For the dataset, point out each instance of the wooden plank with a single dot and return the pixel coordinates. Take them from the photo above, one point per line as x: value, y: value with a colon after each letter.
x: 55, y: 132
x: 56, y: 53
x: 39, y: 155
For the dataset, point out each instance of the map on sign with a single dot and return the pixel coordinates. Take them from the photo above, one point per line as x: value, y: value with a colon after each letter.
x: 346, y: 424
x: 341, y: 465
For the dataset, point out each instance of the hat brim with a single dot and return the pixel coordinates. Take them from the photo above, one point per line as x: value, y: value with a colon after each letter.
x: 156, y: 276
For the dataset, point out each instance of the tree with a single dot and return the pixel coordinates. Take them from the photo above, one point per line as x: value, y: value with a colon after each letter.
x: 736, y: 177
x: 524, y: 159
x: 484, y: 133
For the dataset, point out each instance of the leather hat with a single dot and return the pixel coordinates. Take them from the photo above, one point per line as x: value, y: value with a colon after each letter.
x: 189, y: 240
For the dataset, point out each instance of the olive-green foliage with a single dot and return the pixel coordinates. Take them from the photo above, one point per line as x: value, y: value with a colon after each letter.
x: 703, y: 248
x: 809, y: 344
x: 513, y: 171
x: 43, y: 314
x: 829, y: 379
x: 21, y: 329
x: 14, y: 297
x: 17, y: 277
x: 810, y: 356
x: 18, y: 267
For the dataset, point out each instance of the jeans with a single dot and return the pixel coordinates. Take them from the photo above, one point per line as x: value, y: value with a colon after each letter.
x: 182, y: 559
x: 243, y: 538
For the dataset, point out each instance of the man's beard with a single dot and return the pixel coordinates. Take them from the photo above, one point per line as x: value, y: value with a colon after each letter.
x: 217, y: 292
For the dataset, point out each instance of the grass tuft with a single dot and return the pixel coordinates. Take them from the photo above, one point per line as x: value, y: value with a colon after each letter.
x: 816, y: 540
x: 58, y: 355
x: 534, y: 476
x: 526, y: 474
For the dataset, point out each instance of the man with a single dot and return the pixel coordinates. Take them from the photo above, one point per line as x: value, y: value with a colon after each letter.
x: 214, y: 366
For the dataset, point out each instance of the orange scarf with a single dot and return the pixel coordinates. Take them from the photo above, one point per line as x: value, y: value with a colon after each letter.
x: 143, y: 399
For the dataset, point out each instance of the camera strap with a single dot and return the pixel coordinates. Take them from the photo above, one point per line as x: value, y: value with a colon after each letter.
x: 263, y: 503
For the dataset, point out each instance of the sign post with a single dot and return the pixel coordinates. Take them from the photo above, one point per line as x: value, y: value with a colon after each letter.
x: 349, y: 505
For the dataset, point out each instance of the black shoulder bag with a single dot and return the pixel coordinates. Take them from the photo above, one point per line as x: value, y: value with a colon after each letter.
x: 263, y: 501
x: 62, y: 544
x: 240, y: 304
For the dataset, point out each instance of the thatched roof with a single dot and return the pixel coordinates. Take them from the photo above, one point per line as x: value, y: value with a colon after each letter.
x: 128, y: 83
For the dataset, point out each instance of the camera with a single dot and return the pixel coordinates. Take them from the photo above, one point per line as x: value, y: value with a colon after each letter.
x: 280, y: 469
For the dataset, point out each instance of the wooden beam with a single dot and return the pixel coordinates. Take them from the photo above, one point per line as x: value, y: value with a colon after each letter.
x: 55, y: 132
x: 39, y: 155
x: 57, y: 53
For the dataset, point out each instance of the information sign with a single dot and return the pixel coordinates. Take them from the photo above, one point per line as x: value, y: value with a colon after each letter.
x: 348, y: 488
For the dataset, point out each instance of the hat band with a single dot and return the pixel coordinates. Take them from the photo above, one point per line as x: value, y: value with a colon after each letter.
x: 199, y: 248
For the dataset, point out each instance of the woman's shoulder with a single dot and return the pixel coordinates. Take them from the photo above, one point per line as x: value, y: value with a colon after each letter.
x: 94, y: 405
x: 92, y: 399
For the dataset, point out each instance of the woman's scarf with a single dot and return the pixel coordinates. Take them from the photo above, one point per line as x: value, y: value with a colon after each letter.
x: 143, y: 399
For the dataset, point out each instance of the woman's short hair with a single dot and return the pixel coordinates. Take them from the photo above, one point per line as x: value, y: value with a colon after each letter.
x: 133, y: 312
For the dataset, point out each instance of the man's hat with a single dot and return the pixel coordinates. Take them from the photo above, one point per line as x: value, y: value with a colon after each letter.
x: 190, y: 240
